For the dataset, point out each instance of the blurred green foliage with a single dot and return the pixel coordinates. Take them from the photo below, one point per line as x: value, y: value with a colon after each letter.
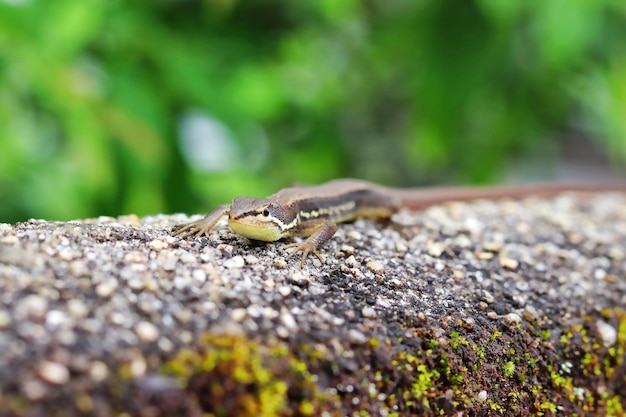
x: 96, y: 95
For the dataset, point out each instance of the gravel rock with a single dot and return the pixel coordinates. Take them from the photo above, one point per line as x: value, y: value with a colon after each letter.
x: 108, y: 316
x: 54, y: 373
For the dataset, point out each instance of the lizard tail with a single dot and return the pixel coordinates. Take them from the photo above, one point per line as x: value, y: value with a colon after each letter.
x: 424, y: 197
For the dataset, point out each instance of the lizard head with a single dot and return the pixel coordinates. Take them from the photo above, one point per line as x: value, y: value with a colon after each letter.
x: 257, y: 218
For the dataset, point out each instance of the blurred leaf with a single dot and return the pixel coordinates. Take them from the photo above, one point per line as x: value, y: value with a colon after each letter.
x: 94, y: 94
x: 565, y: 28
x: 503, y: 12
x: 603, y: 93
x: 255, y: 92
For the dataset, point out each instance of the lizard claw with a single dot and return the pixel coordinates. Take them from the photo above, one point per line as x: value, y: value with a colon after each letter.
x: 306, y: 247
x: 202, y: 226
x: 198, y: 228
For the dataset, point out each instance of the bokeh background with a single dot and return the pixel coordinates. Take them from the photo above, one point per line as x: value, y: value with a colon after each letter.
x: 112, y: 107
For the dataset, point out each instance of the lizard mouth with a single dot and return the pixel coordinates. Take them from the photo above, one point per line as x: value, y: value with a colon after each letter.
x: 267, y: 232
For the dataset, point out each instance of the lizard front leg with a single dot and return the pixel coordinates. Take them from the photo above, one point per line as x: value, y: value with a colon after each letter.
x: 319, y: 232
x: 204, y: 225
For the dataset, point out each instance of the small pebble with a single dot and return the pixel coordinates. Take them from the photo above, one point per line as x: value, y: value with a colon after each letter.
x: 300, y: 279
x: 147, y: 332
x: 522, y: 228
x: 165, y: 344
x: 435, y: 249
x: 368, y: 312
x: 254, y: 311
x: 137, y: 284
x: 238, y: 314
x: 98, y: 371
x: 10, y: 239
x: 352, y: 262
x: 284, y: 290
x: 129, y: 219
x: 286, y: 318
x: 138, y: 367
x: 512, y: 318
x: 150, y: 285
x: 463, y: 241
x: 375, y: 266
x: 608, y: 333
x: 56, y: 319
x: 401, y: 247
x: 199, y: 275
x: 482, y: 396
x: 599, y: 274
x: 355, y: 336
x: 530, y: 313
x: 485, y: 256
x: 355, y: 235
x: 280, y: 263
x: 492, y: 246
x: 469, y: 323
x: 77, y: 308
x: 347, y: 249
x: 395, y: 282
x: 158, y: 245
x: 34, y: 390
x: 67, y: 254
x: 350, y: 314
x: 458, y: 274
x: 31, y: 307
x: 235, y: 262
x: 5, y: 320
x: 187, y: 258
x: 251, y: 260
x: 617, y: 253
x: 488, y: 297
x: 53, y: 373
x: 508, y: 263
x: 282, y: 332
x: 169, y: 261
x: 134, y: 257
x: 183, y: 315
x: 79, y: 269
x: 226, y: 248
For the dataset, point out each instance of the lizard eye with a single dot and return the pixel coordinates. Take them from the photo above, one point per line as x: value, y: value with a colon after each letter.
x: 266, y: 212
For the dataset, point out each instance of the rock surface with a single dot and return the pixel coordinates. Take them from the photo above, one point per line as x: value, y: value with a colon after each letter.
x: 483, y: 308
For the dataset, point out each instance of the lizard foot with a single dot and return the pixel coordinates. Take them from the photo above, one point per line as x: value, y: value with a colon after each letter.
x: 198, y: 228
x: 306, y: 247
x: 204, y: 225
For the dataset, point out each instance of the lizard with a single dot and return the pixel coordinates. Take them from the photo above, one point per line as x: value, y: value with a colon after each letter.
x: 314, y: 211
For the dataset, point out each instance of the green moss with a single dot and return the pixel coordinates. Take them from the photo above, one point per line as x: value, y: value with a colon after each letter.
x: 548, y: 406
x: 614, y: 406
x: 480, y: 351
x: 436, y: 377
x: 374, y: 343
x: 458, y: 340
x: 233, y: 375
x: 495, y: 334
x: 508, y: 369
